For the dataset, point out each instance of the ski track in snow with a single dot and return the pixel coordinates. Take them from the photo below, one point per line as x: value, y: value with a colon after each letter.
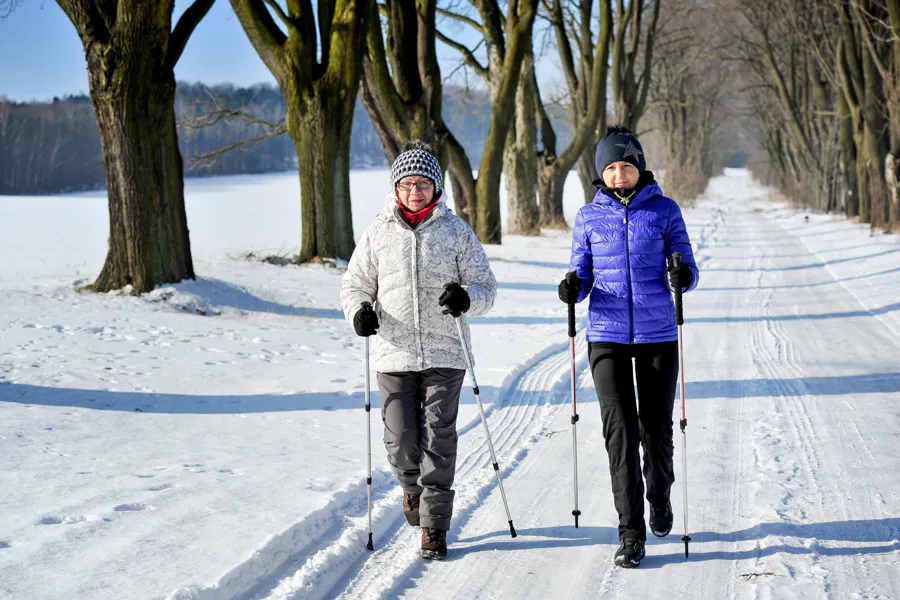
x: 321, y: 552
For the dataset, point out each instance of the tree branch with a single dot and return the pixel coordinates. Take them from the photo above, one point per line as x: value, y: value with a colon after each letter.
x: 467, y: 54
x: 461, y: 18
x: 209, y: 159
x: 565, y: 49
x: 868, y: 36
x: 265, y: 35
x: 184, y: 28
x: 7, y: 7
x: 85, y: 16
x: 276, y: 8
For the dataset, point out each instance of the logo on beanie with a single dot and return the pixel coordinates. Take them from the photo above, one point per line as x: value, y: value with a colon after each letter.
x: 630, y: 150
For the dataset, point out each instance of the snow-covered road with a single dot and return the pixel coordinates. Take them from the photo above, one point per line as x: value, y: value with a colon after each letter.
x: 234, y: 481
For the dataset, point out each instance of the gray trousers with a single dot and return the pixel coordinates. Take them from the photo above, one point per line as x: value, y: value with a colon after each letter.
x: 419, y: 411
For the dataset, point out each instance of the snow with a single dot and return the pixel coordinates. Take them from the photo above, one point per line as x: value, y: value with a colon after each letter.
x: 207, y: 441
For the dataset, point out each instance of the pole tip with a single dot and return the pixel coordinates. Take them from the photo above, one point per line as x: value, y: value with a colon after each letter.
x: 576, y: 513
x: 370, y: 545
x: 512, y: 530
x: 686, y: 539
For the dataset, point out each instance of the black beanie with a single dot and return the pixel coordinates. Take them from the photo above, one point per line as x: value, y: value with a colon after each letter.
x: 619, y: 144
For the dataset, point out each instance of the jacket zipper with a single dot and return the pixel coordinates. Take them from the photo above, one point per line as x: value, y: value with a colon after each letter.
x: 628, y: 278
x: 415, y: 287
x: 414, y: 272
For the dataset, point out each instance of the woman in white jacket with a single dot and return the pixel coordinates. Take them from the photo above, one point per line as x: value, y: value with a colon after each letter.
x: 419, y: 265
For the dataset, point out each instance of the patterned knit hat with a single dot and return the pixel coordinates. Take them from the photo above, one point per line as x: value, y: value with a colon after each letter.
x: 417, y: 161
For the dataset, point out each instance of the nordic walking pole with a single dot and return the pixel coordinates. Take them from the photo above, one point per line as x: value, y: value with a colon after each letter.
x: 679, y: 320
x: 487, y: 432
x: 369, y: 545
x: 576, y: 512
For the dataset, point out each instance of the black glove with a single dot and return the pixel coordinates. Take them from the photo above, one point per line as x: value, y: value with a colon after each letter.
x: 680, y: 277
x: 570, y: 288
x: 365, y: 322
x: 455, y: 300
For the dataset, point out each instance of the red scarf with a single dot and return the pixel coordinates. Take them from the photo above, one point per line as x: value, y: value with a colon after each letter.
x: 415, y: 218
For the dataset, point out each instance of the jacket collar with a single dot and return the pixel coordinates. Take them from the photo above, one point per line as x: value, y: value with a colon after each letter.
x: 646, y: 188
x: 391, y: 212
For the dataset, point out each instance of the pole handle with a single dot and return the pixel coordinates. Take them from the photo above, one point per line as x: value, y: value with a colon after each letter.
x: 679, y: 307
x: 570, y: 279
x: 365, y: 304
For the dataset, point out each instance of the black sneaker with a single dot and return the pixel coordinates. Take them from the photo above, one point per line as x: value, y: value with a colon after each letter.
x: 411, y: 508
x: 434, y: 543
x: 630, y: 553
x: 661, y: 520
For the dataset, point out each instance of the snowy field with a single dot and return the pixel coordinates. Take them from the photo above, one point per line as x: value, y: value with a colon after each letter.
x: 150, y: 451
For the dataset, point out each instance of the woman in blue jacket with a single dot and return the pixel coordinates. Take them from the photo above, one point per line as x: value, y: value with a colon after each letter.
x: 621, y: 247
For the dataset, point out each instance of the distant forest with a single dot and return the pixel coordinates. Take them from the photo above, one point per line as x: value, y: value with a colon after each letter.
x: 53, y: 147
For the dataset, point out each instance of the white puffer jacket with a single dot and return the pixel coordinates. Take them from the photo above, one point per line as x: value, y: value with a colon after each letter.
x: 402, y: 271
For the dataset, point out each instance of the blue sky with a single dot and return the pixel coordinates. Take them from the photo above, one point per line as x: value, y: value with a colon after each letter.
x: 42, y: 56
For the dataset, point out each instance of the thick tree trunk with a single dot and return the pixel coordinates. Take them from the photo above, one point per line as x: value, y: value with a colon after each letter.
x: 131, y: 52
x: 133, y: 102
x: 520, y: 158
x: 148, y: 232
x: 587, y: 172
x: 487, y: 187
x: 892, y: 161
x: 318, y: 65
x: 848, y: 159
x: 550, y: 190
x: 863, y: 189
x: 876, y: 143
x: 462, y: 180
x: 327, y: 228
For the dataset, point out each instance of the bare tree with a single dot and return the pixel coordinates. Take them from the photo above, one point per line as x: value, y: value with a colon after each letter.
x: 633, y: 45
x: 131, y: 52
x: 316, y: 58
x: 585, y: 67
x: 686, y: 95
x: 829, y: 68
x: 508, y: 38
x: 631, y: 48
x: 402, y: 88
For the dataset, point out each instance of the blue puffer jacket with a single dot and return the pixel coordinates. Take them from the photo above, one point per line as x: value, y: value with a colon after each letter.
x: 620, y: 253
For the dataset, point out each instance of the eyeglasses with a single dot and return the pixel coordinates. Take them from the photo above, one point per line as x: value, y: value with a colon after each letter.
x: 423, y: 186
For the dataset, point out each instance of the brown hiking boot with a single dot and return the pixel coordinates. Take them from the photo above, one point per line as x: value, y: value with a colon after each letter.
x: 434, y: 543
x: 411, y: 508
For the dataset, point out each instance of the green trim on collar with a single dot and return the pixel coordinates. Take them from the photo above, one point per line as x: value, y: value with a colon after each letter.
x: 624, y: 199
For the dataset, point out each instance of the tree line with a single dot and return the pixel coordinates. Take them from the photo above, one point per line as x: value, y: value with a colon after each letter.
x: 54, y: 147
x: 659, y: 67
x: 822, y: 89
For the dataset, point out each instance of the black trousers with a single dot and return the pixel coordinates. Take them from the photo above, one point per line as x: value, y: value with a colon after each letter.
x: 624, y: 426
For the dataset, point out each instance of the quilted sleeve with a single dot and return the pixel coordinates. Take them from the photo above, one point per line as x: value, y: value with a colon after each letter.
x: 677, y: 240
x: 360, y: 282
x: 582, y: 259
